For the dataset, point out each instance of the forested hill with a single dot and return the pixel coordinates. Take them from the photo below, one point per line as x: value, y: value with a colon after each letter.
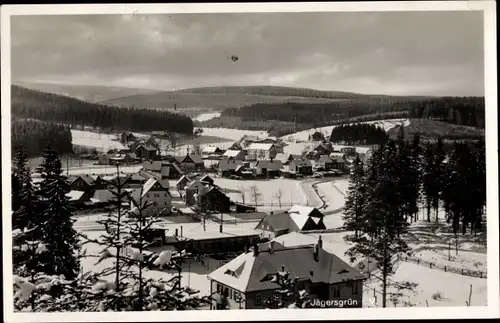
x: 51, y: 107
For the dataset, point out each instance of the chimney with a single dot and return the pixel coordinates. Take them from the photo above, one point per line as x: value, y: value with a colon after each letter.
x: 181, y: 230
x: 271, y: 247
x: 220, y: 228
x: 256, y: 250
x: 246, y: 249
x: 176, y: 232
x: 320, y: 242
x: 283, y: 268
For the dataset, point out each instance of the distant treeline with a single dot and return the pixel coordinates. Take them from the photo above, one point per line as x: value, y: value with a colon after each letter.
x: 32, y: 136
x: 359, y: 134
x: 430, y: 129
x: 467, y: 111
x: 61, y: 109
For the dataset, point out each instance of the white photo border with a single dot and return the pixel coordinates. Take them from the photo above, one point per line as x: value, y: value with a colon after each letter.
x: 490, y: 311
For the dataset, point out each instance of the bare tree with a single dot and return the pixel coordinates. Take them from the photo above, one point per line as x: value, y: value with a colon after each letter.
x: 279, y: 195
x: 242, y: 191
x: 196, y: 149
x: 255, y: 193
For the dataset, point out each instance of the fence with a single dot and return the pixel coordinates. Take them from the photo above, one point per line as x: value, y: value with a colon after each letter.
x: 455, y: 270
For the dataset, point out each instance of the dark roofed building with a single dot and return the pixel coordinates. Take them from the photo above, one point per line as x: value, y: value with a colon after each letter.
x: 190, y: 162
x: 250, y: 276
x: 268, y: 168
x: 144, y: 151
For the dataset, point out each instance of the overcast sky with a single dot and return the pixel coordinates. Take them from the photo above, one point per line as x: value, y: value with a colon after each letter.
x: 402, y: 53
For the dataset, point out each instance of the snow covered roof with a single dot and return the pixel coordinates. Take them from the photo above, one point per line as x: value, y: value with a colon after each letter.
x: 299, y: 219
x: 75, y: 195
x: 257, y: 146
x: 243, y: 264
x: 210, y: 149
x: 232, y: 153
x: 301, y: 209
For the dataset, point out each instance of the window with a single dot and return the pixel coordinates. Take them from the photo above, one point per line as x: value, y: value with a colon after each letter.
x: 336, y: 291
x: 219, y: 288
x: 355, y: 288
x: 230, y: 294
x: 301, y: 286
x: 258, y: 300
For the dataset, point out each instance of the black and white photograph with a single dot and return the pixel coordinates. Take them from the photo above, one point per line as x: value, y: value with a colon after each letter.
x: 302, y: 157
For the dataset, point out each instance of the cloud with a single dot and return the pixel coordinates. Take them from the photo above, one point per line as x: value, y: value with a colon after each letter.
x: 391, y: 52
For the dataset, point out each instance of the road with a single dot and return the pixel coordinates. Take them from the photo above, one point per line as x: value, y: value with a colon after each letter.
x: 310, y: 190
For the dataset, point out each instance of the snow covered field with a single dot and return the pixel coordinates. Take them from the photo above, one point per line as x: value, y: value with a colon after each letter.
x: 101, y: 142
x: 232, y: 134
x: 291, y: 192
x: 104, y: 170
x: 206, y: 116
x: 435, y: 286
x: 304, y: 135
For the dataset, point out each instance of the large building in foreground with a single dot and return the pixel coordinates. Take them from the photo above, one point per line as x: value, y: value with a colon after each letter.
x: 246, y: 282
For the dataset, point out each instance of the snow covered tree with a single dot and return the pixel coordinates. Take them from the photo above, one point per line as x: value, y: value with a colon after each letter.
x: 59, y: 236
x: 286, y: 292
x: 128, y: 235
x: 355, y: 198
x: 381, y: 236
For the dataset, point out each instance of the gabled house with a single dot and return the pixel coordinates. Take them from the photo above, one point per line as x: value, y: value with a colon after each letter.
x: 226, y: 168
x: 324, y: 162
x: 234, y: 154
x: 155, y: 194
x: 246, y: 141
x: 324, y: 148
x: 248, y: 280
x: 296, y: 219
x: 285, y: 159
x: 82, y: 183
x: 147, y: 152
x: 166, y: 169
x: 194, y: 190
x: 235, y: 146
x: 190, y: 162
x: 268, y: 168
x: 262, y: 151
x: 207, y: 179
x: 214, y: 200
x: 183, y: 182
x: 301, y: 166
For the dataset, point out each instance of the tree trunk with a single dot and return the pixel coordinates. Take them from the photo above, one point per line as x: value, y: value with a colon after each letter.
x: 428, y: 210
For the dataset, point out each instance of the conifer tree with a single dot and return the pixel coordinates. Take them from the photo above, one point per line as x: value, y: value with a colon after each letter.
x: 381, y: 239
x: 355, y: 198
x: 58, y: 234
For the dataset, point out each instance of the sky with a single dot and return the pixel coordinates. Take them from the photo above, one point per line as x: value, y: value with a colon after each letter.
x: 398, y: 53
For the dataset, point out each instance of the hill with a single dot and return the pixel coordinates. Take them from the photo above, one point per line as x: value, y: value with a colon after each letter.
x: 429, y: 129
x: 51, y: 107
x: 88, y: 93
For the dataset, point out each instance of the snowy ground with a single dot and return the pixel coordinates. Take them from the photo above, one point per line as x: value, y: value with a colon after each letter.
x: 436, y: 287
x: 297, y: 148
x: 233, y: 134
x: 101, y: 142
x: 206, y: 116
x: 304, y: 135
x: 104, y: 169
x: 291, y: 192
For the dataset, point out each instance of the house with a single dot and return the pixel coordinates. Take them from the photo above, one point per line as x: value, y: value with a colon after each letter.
x: 262, y: 151
x: 193, y: 191
x: 78, y: 198
x: 127, y: 137
x: 211, y: 151
x: 207, y: 179
x: 317, y: 136
x: 285, y: 159
x: 296, y: 219
x: 235, y: 146
x: 183, y: 182
x: 324, y: 148
x: 324, y: 162
x: 234, y: 154
x: 154, y: 193
x: 246, y: 141
x: 170, y: 170
x: 190, y: 162
x: 268, y: 168
x: 105, y: 198
x: 82, y: 183
x: 227, y: 168
x: 247, y: 281
x: 147, y: 152
x: 301, y: 166
x: 338, y: 163
x: 348, y: 151
x: 214, y: 200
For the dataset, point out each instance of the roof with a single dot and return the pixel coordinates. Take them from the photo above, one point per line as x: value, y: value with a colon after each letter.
x: 210, y: 149
x: 302, y: 210
x: 75, y: 195
x: 232, y: 153
x: 257, y: 146
x: 301, y: 162
x: 225, y: 164
x: 147, y: 147
x: 183, y: 178
x: 206, y: 178
x: 247, y: 272
x: 269, y: 165
x: 325, y: 159
x: 195, y: 158
x: 279, y: 221
x: 103, y: 196
x: 283, y: 157
x: 155, y: 165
